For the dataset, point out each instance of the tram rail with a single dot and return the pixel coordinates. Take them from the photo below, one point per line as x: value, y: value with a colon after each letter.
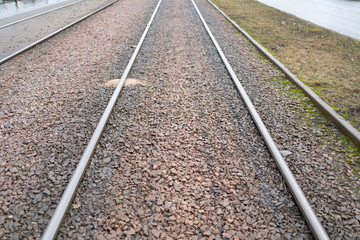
x: 70, y: 191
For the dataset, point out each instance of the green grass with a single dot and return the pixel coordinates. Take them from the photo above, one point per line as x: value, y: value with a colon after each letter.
x: 327, y: 62
x: 341, y: 147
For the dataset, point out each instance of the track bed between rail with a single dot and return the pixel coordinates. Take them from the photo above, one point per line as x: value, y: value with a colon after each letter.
x: 181, y: 157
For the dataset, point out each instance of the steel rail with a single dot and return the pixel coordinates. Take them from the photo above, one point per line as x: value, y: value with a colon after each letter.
x: 39, y: 14
x: 53, y: 33
x: 296, y: 191
x: 69, y: 193
x: 331, y: 114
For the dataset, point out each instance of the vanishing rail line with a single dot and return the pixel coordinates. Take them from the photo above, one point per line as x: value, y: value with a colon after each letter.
x: 70, y: 191
x: 33, y: 44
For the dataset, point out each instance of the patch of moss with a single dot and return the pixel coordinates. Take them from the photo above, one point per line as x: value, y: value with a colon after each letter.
x: 315, y: 119
x: 335, y: 108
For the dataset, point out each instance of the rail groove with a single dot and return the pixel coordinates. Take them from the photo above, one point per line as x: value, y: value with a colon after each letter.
x: 329, y: 112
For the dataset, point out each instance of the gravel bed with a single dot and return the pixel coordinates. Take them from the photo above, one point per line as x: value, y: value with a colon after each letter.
x: 51, y: 97
x: 317, y: 158
x: 18, y: 36
x: 181, y: 157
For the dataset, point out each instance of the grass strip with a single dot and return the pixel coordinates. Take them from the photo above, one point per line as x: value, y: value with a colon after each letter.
x: 329, y: 63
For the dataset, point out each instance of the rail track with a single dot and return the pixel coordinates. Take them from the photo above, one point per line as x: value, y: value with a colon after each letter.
x: 34, y: 42
x: 75, y: 181
x: 68, y: 195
